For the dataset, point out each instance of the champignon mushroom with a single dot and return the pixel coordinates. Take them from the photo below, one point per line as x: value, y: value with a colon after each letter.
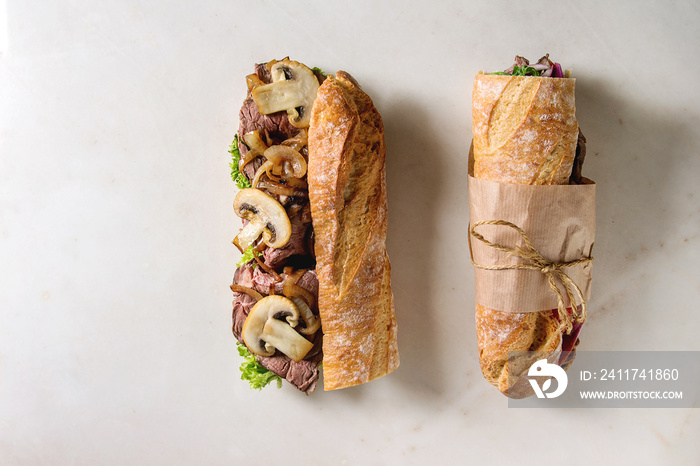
x: 264, y: 331
x: 293, y: 88
x: 265, y: 216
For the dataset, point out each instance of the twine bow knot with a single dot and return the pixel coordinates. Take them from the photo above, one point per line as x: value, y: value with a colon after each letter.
x: 533, y: 260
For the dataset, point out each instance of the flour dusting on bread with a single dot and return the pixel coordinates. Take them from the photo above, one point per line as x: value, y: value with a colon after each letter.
x: 347, y: 190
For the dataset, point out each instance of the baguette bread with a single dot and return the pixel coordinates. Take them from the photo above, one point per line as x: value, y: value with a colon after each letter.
x: 525, y: 129
x: 525, y: 132
x: 313, y: 284
x: 347, y: 193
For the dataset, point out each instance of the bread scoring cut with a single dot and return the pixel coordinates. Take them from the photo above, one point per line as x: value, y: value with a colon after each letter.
x: 347, y: 192
x: 525, y: 132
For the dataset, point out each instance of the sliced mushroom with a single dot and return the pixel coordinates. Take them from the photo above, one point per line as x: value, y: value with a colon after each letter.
x: 265, y: 216
x: 284, y: 157
x: 293, y: 88
x: 264, y: 331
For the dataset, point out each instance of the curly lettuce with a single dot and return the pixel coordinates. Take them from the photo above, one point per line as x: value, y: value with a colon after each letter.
x: 236, y: 175
x: 252, y: 371
x: 248, y: 256
x: 520, y: 71
x: 544, y: 67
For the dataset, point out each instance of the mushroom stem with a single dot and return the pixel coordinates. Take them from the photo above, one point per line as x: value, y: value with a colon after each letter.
x: 265, y: 214
x: 250, y: 232
x: 283, y: 337
x: 293, y: 88
x: 278, y: 96
x: 263, y: 331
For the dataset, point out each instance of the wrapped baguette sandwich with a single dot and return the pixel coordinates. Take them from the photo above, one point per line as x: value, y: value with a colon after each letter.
x: 313, y: 285
x: 526, y: 133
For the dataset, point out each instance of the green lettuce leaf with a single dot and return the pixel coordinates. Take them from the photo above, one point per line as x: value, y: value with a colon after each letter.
x: 251, y: 370
x: 248, y: 256
x: 319, y: 70
x: 525, y: 71
x: 236, y: 175
x: 519, y: 71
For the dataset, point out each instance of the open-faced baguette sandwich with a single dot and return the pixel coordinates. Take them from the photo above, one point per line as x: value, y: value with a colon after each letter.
x: 313, y: 285
x: 525, y: 132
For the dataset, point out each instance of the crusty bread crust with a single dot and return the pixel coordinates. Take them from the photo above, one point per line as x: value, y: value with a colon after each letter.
x: 525, y: 132
x: 525, y: 129
x: 347, y: 192
x: 499, y: 333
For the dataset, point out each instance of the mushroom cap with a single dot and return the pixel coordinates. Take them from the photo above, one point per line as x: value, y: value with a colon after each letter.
x: 264, y: 331
x: 274, y: 306
x: 293, y: 88
x: 266, y: 215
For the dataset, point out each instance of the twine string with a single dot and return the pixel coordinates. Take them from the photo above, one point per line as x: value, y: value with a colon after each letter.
x: 533, y: 260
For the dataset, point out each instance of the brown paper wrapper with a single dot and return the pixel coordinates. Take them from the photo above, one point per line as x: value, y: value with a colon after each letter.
x: 559, y: 220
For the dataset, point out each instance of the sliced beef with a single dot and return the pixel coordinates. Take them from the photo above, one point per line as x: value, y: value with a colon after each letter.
x: 299, y: 244
x: 298, y: 252
x: 262, y: 281
x: 244, y: 276
x: 241, y: 308
x: 545, y: 61
x: 251, y: 167
x: 303, y: 374
x: 519, y: 61
x: 275, y: 126
x: 263, y: 73
x: 242, y: 303
x: 309, y: 281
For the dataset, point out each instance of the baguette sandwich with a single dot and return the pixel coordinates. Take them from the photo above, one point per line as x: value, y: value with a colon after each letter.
x: 525, y: 132
x: 313, y: 285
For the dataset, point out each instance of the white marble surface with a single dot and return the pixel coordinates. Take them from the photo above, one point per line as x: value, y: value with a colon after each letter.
x: 116, y: 222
